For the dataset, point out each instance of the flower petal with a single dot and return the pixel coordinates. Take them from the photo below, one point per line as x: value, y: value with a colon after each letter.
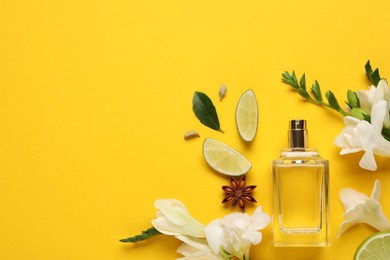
x: 366, y: 98
x: 253, y: 237
x: 368, y: 161
x: 376, y: 191
x: 166, y: 227
x: 378, y: 113
x: 361, y: 209
x: 174, y: 219
x: 345, y: 225
x: 214, y: 235
x: 172, y: 209
x: 350, y: 197
x: 347, y: 139
x: 260, y: 219
x: 195, y: 249
x: 374, y: 216
x: 196, y: 243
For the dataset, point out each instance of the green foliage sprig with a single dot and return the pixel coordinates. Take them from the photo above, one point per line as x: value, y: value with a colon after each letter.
x: 146, y: 234
x: 316, y: 96
x: 373, y: 76
x: 355, y: 110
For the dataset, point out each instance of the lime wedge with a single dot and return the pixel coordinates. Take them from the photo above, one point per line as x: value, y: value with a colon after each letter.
x: 225, y: 159
x: 376, y: 246
x: 247, y: 115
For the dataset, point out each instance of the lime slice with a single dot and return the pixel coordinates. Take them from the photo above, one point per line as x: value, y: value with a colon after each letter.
x: 225, y: 159
x: 376, y: 246
x: 247, y: 116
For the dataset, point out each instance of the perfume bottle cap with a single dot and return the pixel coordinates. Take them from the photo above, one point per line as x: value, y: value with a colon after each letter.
x: 297, y: 134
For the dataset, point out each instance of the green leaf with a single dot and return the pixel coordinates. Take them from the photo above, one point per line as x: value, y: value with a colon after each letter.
x: 373, y: 76
x: 368, y: 70
x: 386, y: 133
x: 146, y: 234
x: 353, y: 100
x: 315, y: 88
x: 205, y: 111
x: 333, y: 102
x: 294, y: 77
x: 367, y: 117
x: 304, y: 93
x: 302, y: 81
x: 290, y: 79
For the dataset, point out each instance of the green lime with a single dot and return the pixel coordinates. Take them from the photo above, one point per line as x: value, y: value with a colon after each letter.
x: 247, y: 116
x: 225, y: 159
x: 375, y: 247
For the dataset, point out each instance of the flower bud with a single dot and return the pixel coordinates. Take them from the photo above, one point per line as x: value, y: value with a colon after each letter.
x: 353, y: 100
x: 359, y: 113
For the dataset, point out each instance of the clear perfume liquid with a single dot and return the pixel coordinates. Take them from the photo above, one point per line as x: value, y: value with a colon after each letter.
x: 300, y: 198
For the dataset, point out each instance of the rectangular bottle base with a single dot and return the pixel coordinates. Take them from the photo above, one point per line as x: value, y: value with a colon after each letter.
x: 301, y: 239
x: 298, y: 244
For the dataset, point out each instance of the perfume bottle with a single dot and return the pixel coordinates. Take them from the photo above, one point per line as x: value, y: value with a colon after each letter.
x: 300, y: 190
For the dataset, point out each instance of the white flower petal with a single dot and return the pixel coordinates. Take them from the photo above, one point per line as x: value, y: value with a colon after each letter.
x: 172, y: 209
x: 196, y: 249
x: 236, y: 232
x: 380, y: 91
x: 374, y: 216
x: 196, y: 243
x: 201, y: 256
x: 347, y: 139
x: 361, y: 209
x: 356, y: 212
x: 351, y: 121
x: 166, y: 227
x: 186, y: 250
x: 174, y: 219
x: 214, y: 235
x: 376, y: 191
x: 253, y: 237
x: 384, y: 87
x: 350, y: 197
x: 260, y: 219
x: 378, y: 113
x: 363, y: 135
x: 345, y: 151
x: 368, y: 161
x: 345, y: 225
x: 366, y: 98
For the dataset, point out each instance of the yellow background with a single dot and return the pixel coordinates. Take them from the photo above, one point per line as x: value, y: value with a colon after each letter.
x: 95, y: 97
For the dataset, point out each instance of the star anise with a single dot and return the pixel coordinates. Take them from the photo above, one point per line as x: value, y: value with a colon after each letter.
x: 238, y: 192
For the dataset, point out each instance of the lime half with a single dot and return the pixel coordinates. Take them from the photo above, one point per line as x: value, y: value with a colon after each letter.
x: 375, y: 247
x: 225, y: 159
x: 247, y: 115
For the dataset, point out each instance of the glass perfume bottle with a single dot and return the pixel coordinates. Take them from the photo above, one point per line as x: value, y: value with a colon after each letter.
x: 300, y: 190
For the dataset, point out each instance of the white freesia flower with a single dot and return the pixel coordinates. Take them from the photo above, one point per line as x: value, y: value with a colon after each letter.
x: 173, y: 219
x: 196, y: 249
x: 360, y: 208
x: 360, y: 135
x: 368, y: 98
x: 236, y: 232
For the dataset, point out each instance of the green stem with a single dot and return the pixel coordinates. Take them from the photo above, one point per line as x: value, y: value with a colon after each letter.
x: 146, y: 234
x: 342, y: 112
